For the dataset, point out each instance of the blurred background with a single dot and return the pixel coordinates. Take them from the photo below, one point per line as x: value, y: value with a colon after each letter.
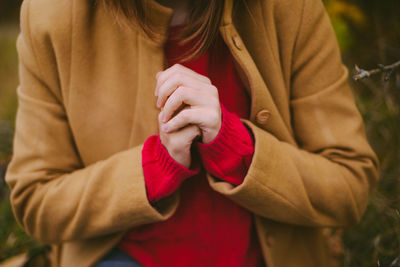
x: 368, y: 32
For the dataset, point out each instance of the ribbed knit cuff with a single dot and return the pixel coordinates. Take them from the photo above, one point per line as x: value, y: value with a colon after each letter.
x: 229, y: 155
x: 162, y: 174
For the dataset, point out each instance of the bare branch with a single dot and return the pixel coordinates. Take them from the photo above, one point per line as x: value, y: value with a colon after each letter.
x: 388, y: 70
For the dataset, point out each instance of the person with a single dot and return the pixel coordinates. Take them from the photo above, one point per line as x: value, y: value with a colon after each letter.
x: 185, y: 133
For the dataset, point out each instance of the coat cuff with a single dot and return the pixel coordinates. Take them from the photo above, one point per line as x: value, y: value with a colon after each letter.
x: 162, y: 174
x: 229, y: 155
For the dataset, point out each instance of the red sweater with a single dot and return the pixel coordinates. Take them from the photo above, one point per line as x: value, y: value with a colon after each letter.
x: 207, y: 229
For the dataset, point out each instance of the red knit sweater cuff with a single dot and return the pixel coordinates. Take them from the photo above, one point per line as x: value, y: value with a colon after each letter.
x: 229, y: 155
x: 162, y: 174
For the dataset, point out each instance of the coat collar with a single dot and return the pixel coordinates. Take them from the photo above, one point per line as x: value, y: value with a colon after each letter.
x: 160, y: 16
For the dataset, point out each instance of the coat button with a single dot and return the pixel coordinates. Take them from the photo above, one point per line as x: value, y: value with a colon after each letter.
x: 263, y: 116
x: 270, y: 241
x: 237, y: 42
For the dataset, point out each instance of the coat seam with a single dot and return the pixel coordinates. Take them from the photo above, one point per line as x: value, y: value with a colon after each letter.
x: 36, y: 60
x: 296, y: 40
x: 28, y: 27
x: 70, y: 55
x: 278, y: 194
x: 277, y: 61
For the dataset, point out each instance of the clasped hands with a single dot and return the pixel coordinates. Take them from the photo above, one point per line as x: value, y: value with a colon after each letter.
x: 190, y: 109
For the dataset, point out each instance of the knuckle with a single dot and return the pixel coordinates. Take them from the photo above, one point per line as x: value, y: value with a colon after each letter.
x: 179, y: 66
x: 190, y: 133
x: 172, y: 124
x: 161, y: 76
x: 161, y: 98
x: 176, y: 68
x: 161, y: 93
x: 196, y: 130
x: 213, y: 118
x: 216, y: 103
x: 178, y: 76
x: 182, y: 93
x: 173, y: 67
x: 173, y: 79
x: 214, y: 89
x: 207, y: 80
x: 185, y: 115
x: 193, y: 127
x: 179, y: 92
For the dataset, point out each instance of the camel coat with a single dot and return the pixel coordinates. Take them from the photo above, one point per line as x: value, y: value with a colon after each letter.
x: 86, y: 105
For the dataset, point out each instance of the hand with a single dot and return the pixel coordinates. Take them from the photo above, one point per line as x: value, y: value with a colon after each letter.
x: 179, y: 86
x: 178, y: 143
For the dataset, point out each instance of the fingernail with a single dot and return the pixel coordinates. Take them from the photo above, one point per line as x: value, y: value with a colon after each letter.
x: 158, y: 103
x: 164, y: 127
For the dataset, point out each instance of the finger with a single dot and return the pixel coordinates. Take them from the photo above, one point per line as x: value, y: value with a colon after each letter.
x: 197, y: 116
x: 170, y: 85
x: 179, y: 109
x: 160, y: 119
x: 163, y: 76
x: 183, y: 96
x: 181, y: 138
x: 177, y: 68
x: 175, y: 81
x: 189, y: 132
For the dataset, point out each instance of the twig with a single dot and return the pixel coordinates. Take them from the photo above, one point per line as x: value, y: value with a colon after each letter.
x: 396, y: 262
x: 388, y: 70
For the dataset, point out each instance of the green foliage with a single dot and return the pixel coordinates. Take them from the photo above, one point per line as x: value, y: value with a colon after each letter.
x: 342, y: 31
x: 379, y: 229
x: 343, y: 15
x: 377, y: 237
x: 9, y: 10
x: 8, y: 73
x: 9, y: 81
x: 13, y: 240
x: 368, y: 42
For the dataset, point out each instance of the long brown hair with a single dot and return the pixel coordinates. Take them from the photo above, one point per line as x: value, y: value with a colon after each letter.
x: 202, y: 23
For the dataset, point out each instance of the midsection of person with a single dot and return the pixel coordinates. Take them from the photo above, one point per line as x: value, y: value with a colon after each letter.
x: 87, y: 104
x: 207, y: 229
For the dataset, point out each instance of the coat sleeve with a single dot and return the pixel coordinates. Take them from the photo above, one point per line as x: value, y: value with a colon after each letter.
x: 54, y: 197
x: 326, y: 179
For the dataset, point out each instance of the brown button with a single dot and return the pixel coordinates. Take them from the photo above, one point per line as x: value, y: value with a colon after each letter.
x: 237, y: 41
x: 270, y: 241
x: 263, y: 116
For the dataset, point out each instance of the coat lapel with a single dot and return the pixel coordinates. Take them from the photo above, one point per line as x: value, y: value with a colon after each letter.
x: 145, y: 116
x: 261, y: 98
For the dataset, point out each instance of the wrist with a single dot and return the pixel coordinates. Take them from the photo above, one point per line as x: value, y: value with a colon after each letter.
x: 162, y: 174
x: 181, y: 158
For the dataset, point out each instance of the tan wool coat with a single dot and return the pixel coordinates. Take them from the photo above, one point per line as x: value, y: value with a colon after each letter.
x: 86, y: 105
